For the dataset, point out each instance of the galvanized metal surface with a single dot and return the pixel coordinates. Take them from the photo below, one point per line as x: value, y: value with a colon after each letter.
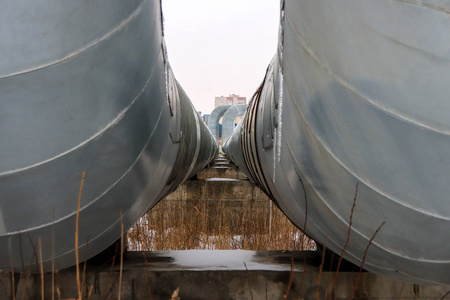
x: 229, y: 117
x: 214, y: 118
x: 86, y: 86
x: 233, y: 150
x: 197, y: 145
x: 359, y: 96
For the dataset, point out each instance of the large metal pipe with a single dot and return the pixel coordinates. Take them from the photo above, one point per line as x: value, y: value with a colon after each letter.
x: 229, y: 119
x: 85, y: 86
x: 197, y: 145
x: 214, y: 118
x: 358, y: 94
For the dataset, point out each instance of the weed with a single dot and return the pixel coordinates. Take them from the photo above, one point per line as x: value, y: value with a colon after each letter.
x: 216, y: 224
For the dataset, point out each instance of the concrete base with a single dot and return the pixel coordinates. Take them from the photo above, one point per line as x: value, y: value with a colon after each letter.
x: 218, y: 189
x: 214, y: 275
x: 218, y: 171
x: 221, y: 168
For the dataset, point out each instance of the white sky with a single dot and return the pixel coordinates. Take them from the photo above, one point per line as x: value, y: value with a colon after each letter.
x: 220, y: 47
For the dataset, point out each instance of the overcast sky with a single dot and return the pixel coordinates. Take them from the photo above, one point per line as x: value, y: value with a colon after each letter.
x: 220, y: 47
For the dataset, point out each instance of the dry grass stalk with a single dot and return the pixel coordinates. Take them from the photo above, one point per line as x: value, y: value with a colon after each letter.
x: 53, y: 254
x: 102, y: 295
x: 291, y: 279
x: 302, y: 277
x: 12, y: 279
x: 41, y: 263
x: 175, y: 294
x: 21, y: 253
x: 346, y: 242
x: 28, y: 274
x: 147, y: 277
x: 210, y: 224
x: 23, y: 265
x: 368, y: 245
x: 445, y: 295
x: 248, y: 280
x: 266, y: 289
x: 76, y: 238
x: 83, y: 282
x: 321, y: 268
x: 121, y: 254
x: 358, y: 278
x: 401, y: 291
x: 35, y: 255
x: 91, y: 290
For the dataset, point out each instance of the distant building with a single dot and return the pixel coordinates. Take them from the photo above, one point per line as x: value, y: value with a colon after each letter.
x: 232, y: 99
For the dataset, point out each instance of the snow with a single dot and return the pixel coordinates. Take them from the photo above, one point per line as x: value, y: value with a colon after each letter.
x: 224, y: 179
x: 224, y: 260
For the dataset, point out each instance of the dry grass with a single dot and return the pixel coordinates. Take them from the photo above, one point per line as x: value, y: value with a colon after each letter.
x: 221, y: 224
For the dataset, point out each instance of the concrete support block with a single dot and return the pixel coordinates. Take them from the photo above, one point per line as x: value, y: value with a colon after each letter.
x: 217, y: 189
x: 266, y: 275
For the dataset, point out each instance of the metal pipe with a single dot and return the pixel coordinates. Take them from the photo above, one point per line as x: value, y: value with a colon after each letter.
x: 86, y: 86
x: 358, y: 94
